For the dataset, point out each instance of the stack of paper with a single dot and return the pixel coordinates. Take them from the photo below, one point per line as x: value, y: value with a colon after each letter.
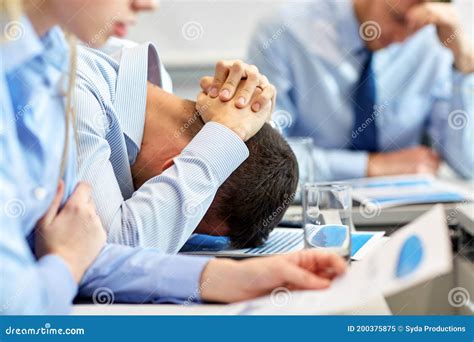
x: 385, y: 192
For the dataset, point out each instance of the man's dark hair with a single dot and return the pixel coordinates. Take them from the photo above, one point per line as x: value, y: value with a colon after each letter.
x: 253, y: 200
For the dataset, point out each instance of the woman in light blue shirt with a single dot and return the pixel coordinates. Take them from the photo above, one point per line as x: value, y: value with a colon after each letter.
x: 49, y: 254
x: 36, y: 154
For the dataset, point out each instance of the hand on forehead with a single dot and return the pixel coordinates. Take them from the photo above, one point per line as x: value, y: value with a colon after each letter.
x: 402, y: 7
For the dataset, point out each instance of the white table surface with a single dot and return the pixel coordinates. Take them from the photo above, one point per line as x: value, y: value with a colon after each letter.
x: 377, y: 306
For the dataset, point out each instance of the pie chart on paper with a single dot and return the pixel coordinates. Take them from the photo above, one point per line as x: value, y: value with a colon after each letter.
x: 411, y: 256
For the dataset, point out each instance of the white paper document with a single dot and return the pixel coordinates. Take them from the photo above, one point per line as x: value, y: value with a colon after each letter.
x: 383, y: 192
x: 418, y: 252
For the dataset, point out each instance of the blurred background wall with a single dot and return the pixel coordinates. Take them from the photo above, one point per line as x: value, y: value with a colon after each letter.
x: 192, y: 35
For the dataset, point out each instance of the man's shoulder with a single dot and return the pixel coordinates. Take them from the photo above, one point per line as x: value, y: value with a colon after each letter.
x: 96, y: 76
x: 95, y: 66
x: 288, y: 16
x: 307, y: 28
x: 429, y: 44
x: 424, y: 48
x: 114, y: 47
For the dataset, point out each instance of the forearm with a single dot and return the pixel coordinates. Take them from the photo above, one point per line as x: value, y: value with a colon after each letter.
x: 339, y: 164
x: 453, y: 125
x: 464, y: 55
x: 143, y: 275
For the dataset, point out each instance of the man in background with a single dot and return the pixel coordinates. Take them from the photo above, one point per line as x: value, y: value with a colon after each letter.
x: 372, y: 82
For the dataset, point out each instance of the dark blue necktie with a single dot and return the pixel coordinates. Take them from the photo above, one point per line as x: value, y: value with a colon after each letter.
x: 364, y: 133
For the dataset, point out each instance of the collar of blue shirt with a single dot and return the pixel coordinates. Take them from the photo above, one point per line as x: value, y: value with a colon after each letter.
x: 21, y: 46
x: 50, y: 51
x: 52, y: 46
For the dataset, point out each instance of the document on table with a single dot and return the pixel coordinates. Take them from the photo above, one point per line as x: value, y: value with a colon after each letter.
x: 418, y: 252
x: 383, y: 192
x: 280, y: 241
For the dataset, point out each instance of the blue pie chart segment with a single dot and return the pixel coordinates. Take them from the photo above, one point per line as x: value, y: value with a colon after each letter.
x: 411, y: 255
x: 331, y: 235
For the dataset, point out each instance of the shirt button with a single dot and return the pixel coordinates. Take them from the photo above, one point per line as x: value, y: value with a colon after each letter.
x: 40, y: 193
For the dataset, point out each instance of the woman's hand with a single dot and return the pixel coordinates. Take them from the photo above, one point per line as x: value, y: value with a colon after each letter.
x: 227, y: 281
x: 227, y: 78
x: 74, y: 233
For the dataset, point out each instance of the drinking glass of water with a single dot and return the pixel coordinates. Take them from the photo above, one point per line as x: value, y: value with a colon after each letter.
x: 327, y: 217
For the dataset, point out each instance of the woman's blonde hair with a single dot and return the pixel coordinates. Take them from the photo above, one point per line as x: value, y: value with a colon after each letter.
x: 69, y: 93
x: 12, y: 10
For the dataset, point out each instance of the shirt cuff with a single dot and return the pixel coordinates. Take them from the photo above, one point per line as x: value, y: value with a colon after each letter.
x: 61, y: 286
x: 179, y: 278
x: 347, y: 164
x: 221, y: 148
x: 459, y: 77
